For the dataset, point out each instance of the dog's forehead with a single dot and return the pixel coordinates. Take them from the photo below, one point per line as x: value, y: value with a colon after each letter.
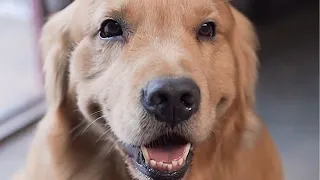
x: 160, y: 4
x: 183, y: 11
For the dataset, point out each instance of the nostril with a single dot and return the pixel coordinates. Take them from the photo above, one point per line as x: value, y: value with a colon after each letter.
x: 187, y: 100
x: 158, y: 98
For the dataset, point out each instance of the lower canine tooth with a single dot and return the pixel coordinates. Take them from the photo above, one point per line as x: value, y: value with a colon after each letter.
x: 145, y: 153
x: 153, y: 163
x: 186, y: 151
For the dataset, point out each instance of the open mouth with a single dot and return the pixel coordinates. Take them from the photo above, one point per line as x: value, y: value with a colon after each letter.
x: 167, y: 157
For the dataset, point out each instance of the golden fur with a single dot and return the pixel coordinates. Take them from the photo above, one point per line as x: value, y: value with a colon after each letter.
x: 87, y: 78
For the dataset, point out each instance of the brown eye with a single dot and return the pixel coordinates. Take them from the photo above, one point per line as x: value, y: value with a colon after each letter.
x: 207, y: 29
x: 110, y: 28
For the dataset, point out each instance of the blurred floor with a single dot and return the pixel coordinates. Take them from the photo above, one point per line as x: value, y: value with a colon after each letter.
x: 287, y: 97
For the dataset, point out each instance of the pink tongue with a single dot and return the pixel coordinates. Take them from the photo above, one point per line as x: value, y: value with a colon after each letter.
x: 166, y: 154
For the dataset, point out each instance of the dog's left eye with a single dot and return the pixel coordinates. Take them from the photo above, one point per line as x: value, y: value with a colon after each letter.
x: 110, y: 28
x: 207, y: 29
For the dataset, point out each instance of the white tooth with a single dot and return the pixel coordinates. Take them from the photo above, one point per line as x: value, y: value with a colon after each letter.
x: 160, y: 164
x: 186, y: 151
x: 174, y: 164
x: 153, y: 163
x: 145, y: 153
x: 169, y: 167
x: 165, y: 166
x: 180, y: 162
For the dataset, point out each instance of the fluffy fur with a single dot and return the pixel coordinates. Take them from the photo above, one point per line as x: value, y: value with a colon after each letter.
x: 93, y: 88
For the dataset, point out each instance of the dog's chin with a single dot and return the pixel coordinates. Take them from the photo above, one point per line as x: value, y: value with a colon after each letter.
x: 166, y: 158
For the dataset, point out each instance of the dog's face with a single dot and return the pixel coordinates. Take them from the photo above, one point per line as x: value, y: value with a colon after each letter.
x: 160, y: 74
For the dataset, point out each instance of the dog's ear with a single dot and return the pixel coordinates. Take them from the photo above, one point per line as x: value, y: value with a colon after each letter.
x: 245, y: 44
x: 57, y: 42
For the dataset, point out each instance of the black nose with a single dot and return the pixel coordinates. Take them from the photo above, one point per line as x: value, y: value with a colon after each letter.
x: 171, y: 100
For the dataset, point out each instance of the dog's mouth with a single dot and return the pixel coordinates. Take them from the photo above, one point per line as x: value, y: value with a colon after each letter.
x: 167, y: 157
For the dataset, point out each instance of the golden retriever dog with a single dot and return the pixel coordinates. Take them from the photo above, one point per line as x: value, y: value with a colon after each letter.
x: 151, y: 89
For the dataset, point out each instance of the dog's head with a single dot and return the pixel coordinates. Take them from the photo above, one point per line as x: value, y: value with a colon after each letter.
x: 160, y: 74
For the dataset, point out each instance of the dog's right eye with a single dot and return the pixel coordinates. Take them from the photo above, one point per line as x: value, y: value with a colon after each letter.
x: 110, y: 28
x: 207, y: 29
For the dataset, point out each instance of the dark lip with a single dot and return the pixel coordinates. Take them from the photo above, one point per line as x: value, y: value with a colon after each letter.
x: 137, y: 160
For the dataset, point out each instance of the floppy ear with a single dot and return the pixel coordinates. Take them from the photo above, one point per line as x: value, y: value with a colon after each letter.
x: 245, y: 44
x: 56, y: 45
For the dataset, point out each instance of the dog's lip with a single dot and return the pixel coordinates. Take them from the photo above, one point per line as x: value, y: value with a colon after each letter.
x: 137, y: 160
x: 167, y: 158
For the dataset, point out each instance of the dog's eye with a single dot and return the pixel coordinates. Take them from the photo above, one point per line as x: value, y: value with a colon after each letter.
x: 110, y: 28
x: 207, y: 29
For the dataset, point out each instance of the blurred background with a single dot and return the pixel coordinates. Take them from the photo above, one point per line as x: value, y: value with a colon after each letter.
x: 287, y: 93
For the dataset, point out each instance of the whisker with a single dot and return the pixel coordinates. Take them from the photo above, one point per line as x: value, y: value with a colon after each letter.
x: 95, y: 113
x: 211, y: 129
x: 214, y: 132
x: 76, y: 127
x: 87, y: 127
x: 112, y: 147
x: 76, y: 110
x: 103, y: 134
